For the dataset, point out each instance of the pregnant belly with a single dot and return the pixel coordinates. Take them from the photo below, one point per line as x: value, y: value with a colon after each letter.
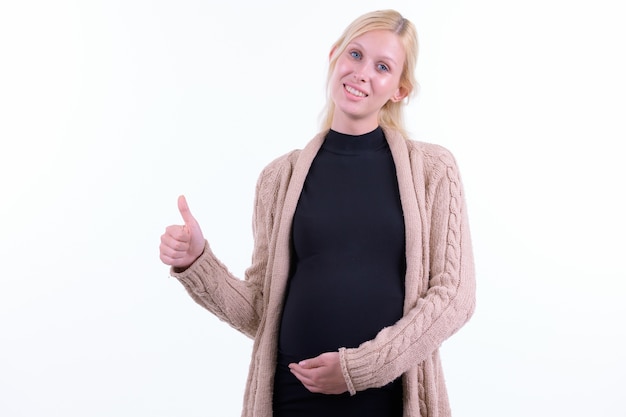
x: 327, y: 307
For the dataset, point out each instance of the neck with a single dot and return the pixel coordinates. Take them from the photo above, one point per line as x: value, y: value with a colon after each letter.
x: 352, y: 126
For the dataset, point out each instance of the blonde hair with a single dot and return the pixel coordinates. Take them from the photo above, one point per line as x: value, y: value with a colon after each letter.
x: 391, y: 114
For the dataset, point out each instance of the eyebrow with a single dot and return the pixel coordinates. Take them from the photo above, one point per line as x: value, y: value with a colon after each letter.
x: 384, y: 57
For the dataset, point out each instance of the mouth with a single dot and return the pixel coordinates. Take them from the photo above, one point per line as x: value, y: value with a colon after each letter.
x: 354, y: 91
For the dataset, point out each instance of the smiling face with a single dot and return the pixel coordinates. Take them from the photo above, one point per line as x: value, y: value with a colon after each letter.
x: 365, y: 77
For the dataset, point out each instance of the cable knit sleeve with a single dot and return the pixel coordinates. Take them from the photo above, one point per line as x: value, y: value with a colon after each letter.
x: 235, y: 301
x: 449, y: 296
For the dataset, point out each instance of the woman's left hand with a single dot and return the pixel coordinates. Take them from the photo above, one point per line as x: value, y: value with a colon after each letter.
x: 321, y: 374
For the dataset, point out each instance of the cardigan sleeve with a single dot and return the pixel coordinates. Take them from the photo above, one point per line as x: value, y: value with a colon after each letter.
x: 447, y: 303
x: 233, y: 300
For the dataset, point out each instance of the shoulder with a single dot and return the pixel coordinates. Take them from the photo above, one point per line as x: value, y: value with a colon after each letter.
x: 282, y: 167
x: 432, y: 162
x: 431, y: 154
x: 274, y: 179
x: 429, y: 161
x: 437, y: 167
x: 279, y: 167
x: 421, y: 153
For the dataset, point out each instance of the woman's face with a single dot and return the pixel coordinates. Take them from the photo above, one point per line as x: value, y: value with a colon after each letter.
x: 366, y: 76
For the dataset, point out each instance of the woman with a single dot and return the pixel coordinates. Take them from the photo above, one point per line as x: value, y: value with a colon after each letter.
x: 362, y: 263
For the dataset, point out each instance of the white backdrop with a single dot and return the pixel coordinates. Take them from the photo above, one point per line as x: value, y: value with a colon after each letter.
x: 111, y: 109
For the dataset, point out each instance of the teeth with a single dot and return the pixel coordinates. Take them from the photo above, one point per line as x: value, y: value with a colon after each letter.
x: 355, y: 91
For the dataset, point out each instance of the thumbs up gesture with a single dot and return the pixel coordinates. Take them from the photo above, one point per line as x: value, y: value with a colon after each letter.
x: 181, y: 245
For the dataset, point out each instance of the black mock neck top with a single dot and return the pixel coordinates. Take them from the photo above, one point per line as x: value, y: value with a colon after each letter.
x: 347, y: 280
x: 348, y: 237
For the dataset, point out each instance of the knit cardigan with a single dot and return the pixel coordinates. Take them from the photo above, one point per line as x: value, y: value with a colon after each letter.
x: 439, y: 282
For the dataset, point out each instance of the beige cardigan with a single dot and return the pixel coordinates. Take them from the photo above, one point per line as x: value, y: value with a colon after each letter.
x: 440, y: 286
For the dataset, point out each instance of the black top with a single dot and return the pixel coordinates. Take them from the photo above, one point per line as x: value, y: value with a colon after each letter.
x: 349, y: 264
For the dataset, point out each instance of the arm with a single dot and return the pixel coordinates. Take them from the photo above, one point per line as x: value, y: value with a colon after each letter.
x: 235, y: 301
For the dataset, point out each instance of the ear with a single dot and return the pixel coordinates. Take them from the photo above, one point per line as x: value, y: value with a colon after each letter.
x: 332, y: 51
x: 400, y: 94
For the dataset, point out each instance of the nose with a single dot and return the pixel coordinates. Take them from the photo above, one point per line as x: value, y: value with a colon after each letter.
x: 358, y: 76
x: 360, y: 73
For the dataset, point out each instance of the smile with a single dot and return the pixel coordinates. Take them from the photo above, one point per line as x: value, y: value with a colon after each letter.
x: 354, y: 91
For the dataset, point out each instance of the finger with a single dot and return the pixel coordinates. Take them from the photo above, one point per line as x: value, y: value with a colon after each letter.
x: 167, y: 257
x: 175, y: 262
x: 170, y: 252
x: 303, y: 375
x: 311, y: 363
x: 296, y: 369
x: 176, y: 233
x: 183, y: 208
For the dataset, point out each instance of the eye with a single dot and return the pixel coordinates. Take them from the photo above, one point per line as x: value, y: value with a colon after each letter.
x: 355, y: 54
x: 382, y: 67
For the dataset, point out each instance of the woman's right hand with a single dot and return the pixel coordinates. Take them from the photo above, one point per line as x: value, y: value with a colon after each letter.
x: 181, y: 245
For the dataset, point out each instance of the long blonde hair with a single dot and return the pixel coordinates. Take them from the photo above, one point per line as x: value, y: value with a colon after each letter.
x: 391, y: 115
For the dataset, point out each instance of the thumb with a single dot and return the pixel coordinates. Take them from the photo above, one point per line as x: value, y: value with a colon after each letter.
x: 311, y: 363
x: 183, y: 208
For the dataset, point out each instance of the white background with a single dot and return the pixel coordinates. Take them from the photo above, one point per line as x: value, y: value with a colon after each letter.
x: 111, y: 109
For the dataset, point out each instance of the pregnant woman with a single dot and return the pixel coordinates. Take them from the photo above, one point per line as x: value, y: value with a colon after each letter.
x: 362, y: 263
